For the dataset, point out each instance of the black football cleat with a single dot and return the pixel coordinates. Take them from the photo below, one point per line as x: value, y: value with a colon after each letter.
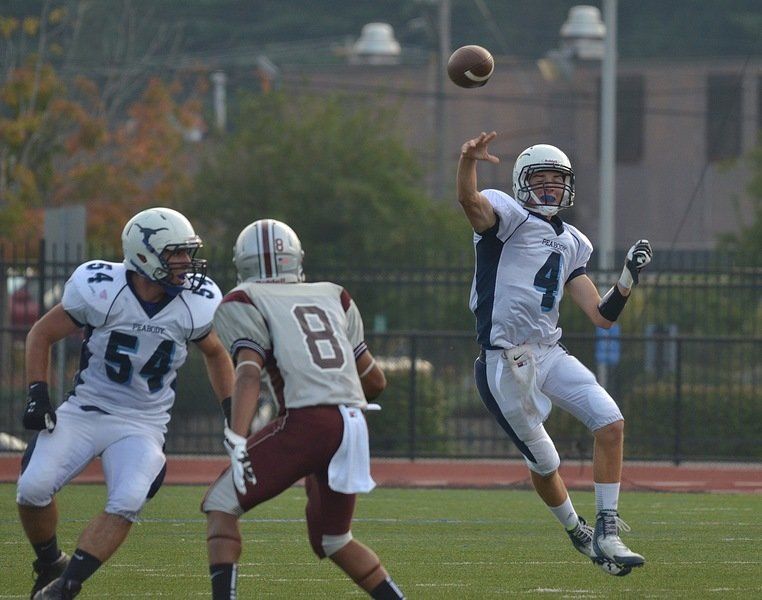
x: 47, y: 572
x: 59, y: 589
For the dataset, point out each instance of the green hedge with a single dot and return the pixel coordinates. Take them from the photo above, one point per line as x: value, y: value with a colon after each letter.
x: 390, y: 430
x: 704, y: 422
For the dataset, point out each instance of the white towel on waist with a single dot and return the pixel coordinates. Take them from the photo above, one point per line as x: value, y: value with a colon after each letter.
x: 349, y: 469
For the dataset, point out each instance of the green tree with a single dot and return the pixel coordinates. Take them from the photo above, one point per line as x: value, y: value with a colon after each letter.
x: 336, y: 169
x: 748, y: 240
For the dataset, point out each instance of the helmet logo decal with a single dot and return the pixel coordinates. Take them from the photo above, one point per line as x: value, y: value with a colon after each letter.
x: 148, y: 232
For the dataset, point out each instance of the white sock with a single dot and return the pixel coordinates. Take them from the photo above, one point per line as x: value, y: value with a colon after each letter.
x: 606, y: 496
x: 565, y: 514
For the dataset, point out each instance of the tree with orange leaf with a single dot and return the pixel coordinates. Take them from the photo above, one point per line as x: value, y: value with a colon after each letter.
x: 85, y: 140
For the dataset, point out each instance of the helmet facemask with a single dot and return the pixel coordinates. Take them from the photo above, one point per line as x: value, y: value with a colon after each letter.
x: 536, y: 197
x: 191, y: 273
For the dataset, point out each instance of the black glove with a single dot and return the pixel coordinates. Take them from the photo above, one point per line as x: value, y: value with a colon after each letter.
x: 39, y: 413
x: 637, y: 258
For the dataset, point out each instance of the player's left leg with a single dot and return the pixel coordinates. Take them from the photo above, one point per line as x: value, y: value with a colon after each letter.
x: 572, y: 387
x: 607, y: 469
x: 329, y: 522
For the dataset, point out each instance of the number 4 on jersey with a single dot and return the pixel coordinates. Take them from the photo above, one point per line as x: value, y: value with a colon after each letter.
x: 546, y: 281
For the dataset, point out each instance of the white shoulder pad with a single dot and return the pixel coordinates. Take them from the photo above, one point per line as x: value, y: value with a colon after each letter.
x: 586, y: 247
x: 202, y: 303
x: 510, y: 213
x: 500, y: 200
x: 90, y: 291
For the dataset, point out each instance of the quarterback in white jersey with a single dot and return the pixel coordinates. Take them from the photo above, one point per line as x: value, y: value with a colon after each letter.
x: 138, y: 318
x: 528, y: 289
x: 526, y: 258
x: 304, y: 340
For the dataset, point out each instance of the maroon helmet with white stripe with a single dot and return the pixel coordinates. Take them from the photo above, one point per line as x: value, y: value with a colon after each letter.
x: 268, y: 251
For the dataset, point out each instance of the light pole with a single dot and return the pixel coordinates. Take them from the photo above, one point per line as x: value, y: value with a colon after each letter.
x: 586, y: 37
x: 606, y: 216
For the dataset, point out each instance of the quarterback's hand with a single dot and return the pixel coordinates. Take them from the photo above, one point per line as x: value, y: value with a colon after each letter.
x: 476, y: 148
x: 637, y: 258
x: 240, y: 463
x: 39, y: 412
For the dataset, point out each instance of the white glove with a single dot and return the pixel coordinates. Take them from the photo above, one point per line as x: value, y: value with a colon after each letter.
x: 637, y: 258
x: 240, y: 463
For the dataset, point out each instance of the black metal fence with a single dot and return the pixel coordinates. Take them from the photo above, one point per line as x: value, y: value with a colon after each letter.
x: 685, y: 367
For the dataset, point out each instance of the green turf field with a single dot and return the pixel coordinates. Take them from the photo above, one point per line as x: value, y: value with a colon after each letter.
x: 436, y: 543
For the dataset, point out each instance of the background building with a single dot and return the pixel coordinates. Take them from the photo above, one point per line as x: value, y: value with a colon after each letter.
x: 684, y: 132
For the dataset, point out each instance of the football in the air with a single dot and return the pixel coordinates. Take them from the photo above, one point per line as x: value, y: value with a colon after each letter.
x: 470, y: 66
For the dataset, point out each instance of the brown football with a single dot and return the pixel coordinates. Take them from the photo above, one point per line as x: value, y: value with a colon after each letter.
x: 470, y: 66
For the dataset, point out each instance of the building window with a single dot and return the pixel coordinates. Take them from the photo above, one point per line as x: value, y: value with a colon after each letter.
x: 630, y: 102
x: 630, y: 118
x: 723, y: 117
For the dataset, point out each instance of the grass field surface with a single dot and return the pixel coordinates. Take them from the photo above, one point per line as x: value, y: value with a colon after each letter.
x: 437, y: 544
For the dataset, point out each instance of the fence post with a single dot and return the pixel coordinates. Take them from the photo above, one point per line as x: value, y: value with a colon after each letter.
x: 41, y: 264
x: 678, y: 406
x: 413, y: 395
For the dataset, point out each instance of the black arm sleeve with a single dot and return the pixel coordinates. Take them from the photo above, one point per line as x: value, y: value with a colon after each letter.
x: 612, y: 303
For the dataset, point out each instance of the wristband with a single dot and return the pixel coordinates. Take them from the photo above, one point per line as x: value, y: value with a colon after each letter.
x: 612, y: 303
x: 38, y: 389
x: 249, y: 362
x: 369, y: 368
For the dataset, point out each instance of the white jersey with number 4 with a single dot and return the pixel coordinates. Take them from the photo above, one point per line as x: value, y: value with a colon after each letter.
x: 522, y: 265
x: 309, y: 335
x: 132, y: 349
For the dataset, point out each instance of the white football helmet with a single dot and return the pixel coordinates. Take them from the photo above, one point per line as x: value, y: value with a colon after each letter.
x: 542, y: 157
x: 268, y: 251
x: 148, y: 239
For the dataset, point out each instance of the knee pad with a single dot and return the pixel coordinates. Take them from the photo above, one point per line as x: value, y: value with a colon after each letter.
x: 333, y: 543
x: 221, y: 497
x: 31, y: 491
x: 544, y: 451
